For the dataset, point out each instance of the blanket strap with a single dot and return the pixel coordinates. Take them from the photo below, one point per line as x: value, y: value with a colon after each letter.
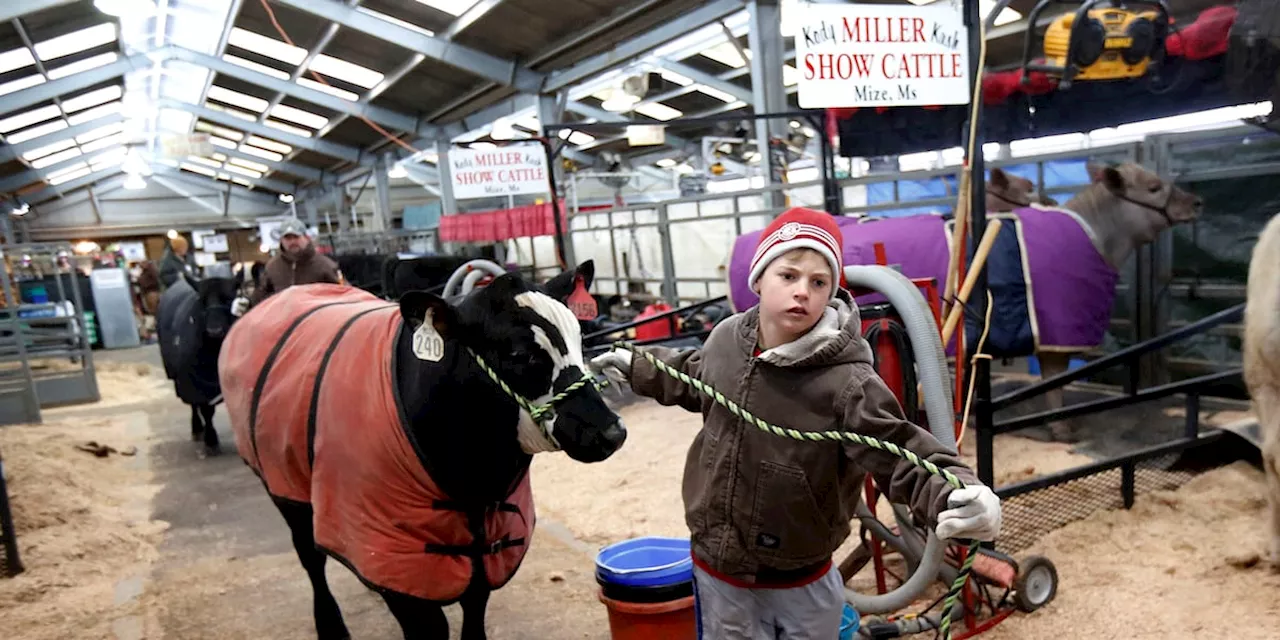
x: 475, y: 517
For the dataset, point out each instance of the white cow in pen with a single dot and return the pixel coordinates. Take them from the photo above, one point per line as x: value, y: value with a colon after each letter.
x: 1262, y: 364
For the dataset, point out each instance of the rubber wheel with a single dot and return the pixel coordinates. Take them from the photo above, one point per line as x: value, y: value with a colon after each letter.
x: 1036, y: 584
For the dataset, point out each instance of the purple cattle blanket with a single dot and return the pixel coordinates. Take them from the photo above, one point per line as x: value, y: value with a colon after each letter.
x: 1070, y: 286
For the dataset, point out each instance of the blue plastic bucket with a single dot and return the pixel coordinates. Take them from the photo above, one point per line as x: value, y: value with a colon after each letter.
x: 645, y: 562
x: 849, y: 622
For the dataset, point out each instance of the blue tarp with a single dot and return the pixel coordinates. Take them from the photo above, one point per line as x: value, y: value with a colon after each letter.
x: 1057, y: 173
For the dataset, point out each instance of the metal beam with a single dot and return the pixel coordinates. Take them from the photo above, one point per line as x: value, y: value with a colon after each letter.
x: 469, y: 17
x: 770, y: 95
x: 631, y: 49
x: 12, y: 151
x: 702, y: 77
x: 53, y: 191
x: 341, y: 151
x: 486, y: 66
x: 11, y: 9
x: 47, y: 91
x: 19, y: 180
x: 302, y: 171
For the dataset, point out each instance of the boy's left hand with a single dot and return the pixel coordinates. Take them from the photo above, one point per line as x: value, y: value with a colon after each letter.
x: 974, y: 515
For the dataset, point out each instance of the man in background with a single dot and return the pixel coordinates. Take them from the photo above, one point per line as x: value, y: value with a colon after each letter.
x: 296, y: 263
x: 176, y: 259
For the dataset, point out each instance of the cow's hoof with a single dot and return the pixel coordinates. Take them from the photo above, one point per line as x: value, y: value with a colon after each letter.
x: 212, y: 450
x: 197, y: 435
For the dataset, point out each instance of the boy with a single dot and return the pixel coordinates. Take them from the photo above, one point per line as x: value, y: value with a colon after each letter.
x: 765, y: 513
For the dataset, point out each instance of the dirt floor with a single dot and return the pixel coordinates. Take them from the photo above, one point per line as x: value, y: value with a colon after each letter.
x: 162, y: 544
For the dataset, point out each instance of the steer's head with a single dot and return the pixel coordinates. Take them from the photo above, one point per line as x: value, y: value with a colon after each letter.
x: 534, y: 343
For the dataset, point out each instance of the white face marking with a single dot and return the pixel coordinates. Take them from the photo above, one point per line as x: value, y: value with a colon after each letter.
x: 560, y: 317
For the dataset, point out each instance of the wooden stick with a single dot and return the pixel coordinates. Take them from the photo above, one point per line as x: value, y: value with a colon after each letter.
x: 971, y: 278
x: 959, y: 233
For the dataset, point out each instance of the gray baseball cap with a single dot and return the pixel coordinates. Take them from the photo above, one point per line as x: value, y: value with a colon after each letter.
x: 293, y: 226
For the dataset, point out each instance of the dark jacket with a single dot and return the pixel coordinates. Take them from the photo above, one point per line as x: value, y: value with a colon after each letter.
x: 760, y: 505
x: 172, y: 265
x: 283, y: 272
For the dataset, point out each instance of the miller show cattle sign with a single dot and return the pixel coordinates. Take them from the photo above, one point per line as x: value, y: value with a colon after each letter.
x: 502, y: 171
x: 875, y: 55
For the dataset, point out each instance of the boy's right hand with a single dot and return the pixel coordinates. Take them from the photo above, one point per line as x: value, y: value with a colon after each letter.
x: 615, y: 364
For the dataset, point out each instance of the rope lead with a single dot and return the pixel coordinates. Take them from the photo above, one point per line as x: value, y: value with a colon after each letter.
x: 957, y: 587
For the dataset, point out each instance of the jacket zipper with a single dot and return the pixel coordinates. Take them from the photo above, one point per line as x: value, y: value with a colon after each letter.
x: 293, y: 275
x: 740, y: 436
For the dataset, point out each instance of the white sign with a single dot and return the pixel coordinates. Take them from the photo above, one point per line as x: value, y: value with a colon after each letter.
x: 133, y: 251
x: 215, y: 243
x: 109, y: 278
x: 502, y: 171
x: 876, y: 55
x: 198, y: 236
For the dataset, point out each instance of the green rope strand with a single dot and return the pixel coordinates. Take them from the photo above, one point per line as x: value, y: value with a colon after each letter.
x: 541, y: 414
x: 817, y: 436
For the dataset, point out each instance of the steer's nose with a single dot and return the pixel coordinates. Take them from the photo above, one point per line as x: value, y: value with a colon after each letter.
x: 615, y: 435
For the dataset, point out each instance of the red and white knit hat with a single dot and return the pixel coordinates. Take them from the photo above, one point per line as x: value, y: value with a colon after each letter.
x: 799, y: 228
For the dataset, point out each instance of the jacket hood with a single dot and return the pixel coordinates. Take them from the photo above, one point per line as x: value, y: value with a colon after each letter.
x: 835, y: 339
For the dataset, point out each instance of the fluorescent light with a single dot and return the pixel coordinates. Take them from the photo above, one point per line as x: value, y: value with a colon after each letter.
x: 269, y: 144
x: 658, y: 111
x: 76, y: 41
x: 396, y: 21
x: 121, y: 8
x: 576, y: 137
x: 727, y: 54
x: 666, y: 163
x: 103, y: 143
x: 198, y: 169
x: 262, y: 153
x: 286, y: 198
x: 241, y: 182
x: 100, y: 132
x: 276, y: 124
x: 205, y: 161
x: 619, y: 102
x: 15, y: 59
x: 329, y: 89
x: 236, y: 113
x: 20, y: 84
x: 242, y: 171
x: 223, y: 94
x: 90, y: 115
x: 249, y: 164
x: 70, y: 176
x: 346, y: 71
x: 94, y: 62
x: 269, y: 47
x: 28, y: 118
x: 790, y: 76
x: 293, y: 114
x: 49, y: 161
x: 502, y: 130
x: 397, y: 171
x: 454, y: 8
x: 48, y: 149
x: 260, y: 68
x: 219, y: 131
x: 221, y: 142
x: 671, y: 76
x: 36, y: 132
x: 93, y: 98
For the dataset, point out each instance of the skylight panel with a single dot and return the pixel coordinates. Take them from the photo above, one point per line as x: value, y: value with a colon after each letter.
x: 99, y: 133
x: 243, y: 171
x: 103, y: 143
x: 95, y: 113
x: 76, y: 41
x: 269, y: 144
x: 727, y: 54
x: 331, y: 90
x: 221, y: 142
x: 219, y: 131
x: 83, y: 65
x: 48, y: 149
x: 666, y: 163
x: 659, y: 111
x: 241, y: 181
x: 105, y: 157
x: 454, y: 8
x: 93, y: 98
x: 269, y: 47
x: 396, y: 21
x: 790, y: 76
x: 198, y: 169
x: 65, y: 170
x: 223, y: 94
x: 673, y: 77
x: 260, y: 68
x: 346, y: 71
x: 249, y: 164
x: 233, y: 112
x: 36, y: 132
x: 219, y: 157
x: 205, y: 161
x: 15, y: 59
x: 67, y: 177
x: 21, y: 83
x: 305, y: 118
x: 49, y: 161
x: 28, y: 118
x: 715, y: 93
x: 276, y: 124
x: 576, y: 137
x: 262, y: 153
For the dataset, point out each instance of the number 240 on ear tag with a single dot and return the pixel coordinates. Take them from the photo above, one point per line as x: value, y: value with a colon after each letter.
x: 427, y: 343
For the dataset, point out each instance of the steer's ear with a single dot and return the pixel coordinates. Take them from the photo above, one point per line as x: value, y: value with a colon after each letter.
x: 999, y: 178
x: 415, y: 304
x: 562, y: 285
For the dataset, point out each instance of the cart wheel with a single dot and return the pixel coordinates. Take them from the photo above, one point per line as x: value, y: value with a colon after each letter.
x: 1036, y: 584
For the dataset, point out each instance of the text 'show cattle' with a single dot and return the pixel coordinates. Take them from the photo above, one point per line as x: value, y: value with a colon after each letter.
x: 510, y: 170
x: 860, y: 55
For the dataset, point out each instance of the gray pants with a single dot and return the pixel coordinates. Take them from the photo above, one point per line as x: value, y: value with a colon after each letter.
x: 726, y: 612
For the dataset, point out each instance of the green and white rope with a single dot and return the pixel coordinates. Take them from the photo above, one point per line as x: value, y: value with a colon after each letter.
x: 543, y: 413
x: 840, y: 436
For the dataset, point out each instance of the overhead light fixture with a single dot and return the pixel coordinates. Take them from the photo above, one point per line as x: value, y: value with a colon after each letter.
x: 120, y: 8
x: 173, y: 233
x: 134, y: 182
x: 502, y: 130
x: 397, y: 170
x: 619, y: 102
x: 20, y: 209
x: 286, y: 198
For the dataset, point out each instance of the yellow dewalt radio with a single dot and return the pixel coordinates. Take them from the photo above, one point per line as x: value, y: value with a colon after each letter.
x: 1111, y: 43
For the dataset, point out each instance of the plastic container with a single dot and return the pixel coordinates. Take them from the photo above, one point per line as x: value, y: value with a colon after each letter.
x: 671, y: 620
x: 657, y: 329
x: 849, y: 622
x: 646, y: 562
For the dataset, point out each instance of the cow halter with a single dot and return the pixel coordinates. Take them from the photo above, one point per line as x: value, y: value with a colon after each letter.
x: 1163, y: 210
x: 542, y: 414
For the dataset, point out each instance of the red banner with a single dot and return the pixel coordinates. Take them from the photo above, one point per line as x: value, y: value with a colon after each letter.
x: 503, y: 224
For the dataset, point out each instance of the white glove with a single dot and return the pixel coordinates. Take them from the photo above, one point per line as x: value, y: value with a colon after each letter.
x: 614, y: 364
x: 974, y: 515
x: 240, y: 306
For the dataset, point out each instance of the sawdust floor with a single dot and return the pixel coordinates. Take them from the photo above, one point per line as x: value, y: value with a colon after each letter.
x: 1160, y: 570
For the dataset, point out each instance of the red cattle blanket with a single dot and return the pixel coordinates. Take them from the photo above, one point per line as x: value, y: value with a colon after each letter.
x: 308, y: 377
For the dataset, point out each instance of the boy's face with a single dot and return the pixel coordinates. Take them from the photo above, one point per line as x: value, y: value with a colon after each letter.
x: 794, y: 290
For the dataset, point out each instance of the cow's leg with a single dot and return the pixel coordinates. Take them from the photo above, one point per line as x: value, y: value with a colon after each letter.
x: 1052, y: 364
x: 473, y: 604
x: 197, y: 426
x: 328, y: 617
x: 1271, y: 468
x: 418, y: 618
x: 211, y: 445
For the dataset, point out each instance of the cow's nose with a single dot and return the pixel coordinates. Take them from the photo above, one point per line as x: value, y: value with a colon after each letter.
x: 616, y: 434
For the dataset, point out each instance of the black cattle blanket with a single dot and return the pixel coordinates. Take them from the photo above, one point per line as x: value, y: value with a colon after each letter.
x: 189, y: 359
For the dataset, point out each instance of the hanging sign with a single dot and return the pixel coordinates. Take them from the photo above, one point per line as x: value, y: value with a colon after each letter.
x: 501, y: 171
x: 216, y: 243
x: 880, y: 55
